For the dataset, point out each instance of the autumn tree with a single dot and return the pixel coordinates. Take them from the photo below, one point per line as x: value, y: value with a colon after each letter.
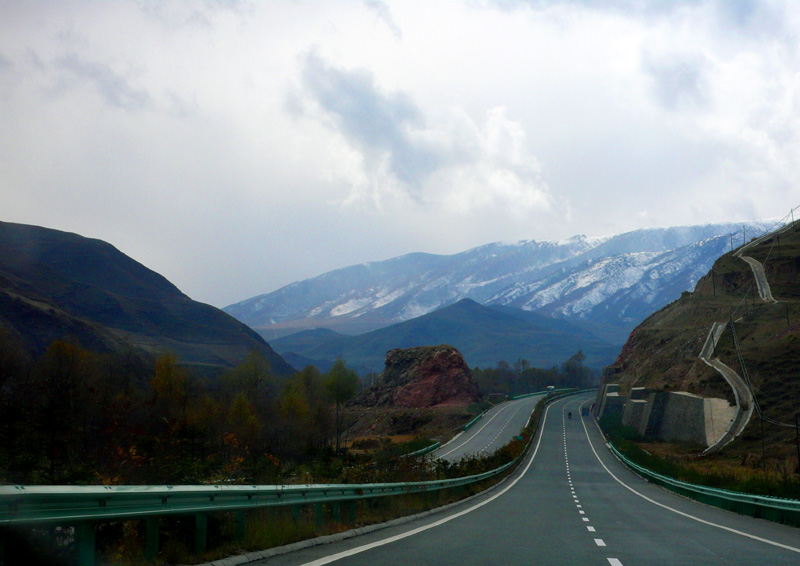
x: 575, y: 373
x: 171, y: 386
x: 59, y: 379
x: 305, y: 413
x: 15, y: 402
x: 341, y: 383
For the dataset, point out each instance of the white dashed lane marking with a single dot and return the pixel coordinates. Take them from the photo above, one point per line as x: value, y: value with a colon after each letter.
x: 598, y: 541
x: 468, y: 440
x: 486, y: 448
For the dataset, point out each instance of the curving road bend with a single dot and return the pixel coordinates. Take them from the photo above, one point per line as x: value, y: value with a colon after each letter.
x: 764, y: 290
x: 571, y: 502
x: 497, y: 427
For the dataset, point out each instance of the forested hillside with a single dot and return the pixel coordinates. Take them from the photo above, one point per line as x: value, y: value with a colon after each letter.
x: 75, y: 416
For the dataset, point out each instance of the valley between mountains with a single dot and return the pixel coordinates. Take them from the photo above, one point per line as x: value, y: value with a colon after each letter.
x: 539, y: 301
x: 109, y: 374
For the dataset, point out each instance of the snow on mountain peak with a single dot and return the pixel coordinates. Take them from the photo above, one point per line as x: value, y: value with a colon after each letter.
x: 610, y: 279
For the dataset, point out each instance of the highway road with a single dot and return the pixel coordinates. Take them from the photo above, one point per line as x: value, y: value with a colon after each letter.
x: 571, y: 502
x: 497, y: 427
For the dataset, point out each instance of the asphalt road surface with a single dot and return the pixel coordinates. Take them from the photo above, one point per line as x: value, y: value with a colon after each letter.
x: 497, y: 427
x: 571, y: 502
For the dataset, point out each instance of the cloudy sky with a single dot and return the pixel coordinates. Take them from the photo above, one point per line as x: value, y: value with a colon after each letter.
x: 236, y: 147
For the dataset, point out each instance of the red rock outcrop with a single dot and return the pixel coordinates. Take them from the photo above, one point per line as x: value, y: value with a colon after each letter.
x: 427, y: 376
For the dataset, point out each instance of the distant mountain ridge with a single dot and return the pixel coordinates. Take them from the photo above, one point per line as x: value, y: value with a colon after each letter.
x: 608, y: 284
x: 484, y: 336
x: 57, y: 284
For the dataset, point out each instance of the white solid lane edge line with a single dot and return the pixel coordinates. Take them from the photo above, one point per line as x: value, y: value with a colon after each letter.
x: 451, y: 440
x: 363, y: 548
x: 687, y: 515
x: 476, y: 432
x: 480, y: 429
x: 494, y: 416
x: 529, y: 416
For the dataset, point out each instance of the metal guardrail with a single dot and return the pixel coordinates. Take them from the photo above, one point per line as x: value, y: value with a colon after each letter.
x: 786, y: 511
x: 423, y: 451
x: 468, y: 426
x: 21, y: 505
x: 82, y: 506
x: 524, y: 395
x: 569, y: 390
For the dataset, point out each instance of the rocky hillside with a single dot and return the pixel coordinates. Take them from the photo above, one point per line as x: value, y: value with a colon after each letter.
x: 431, y: 376
x: 760, y: 340
x: 55, y: 284
x: 609, y: 284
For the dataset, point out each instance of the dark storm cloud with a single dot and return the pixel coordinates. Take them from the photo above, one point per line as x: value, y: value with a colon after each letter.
x: 111, y: 86
x: 380, y: 125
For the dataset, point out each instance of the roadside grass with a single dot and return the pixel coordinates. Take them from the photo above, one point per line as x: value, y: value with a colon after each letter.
x: 776, y: 476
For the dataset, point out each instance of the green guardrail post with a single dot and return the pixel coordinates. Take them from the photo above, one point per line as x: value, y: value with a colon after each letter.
x: 200, y: 532
x: 296, y: 513
x: 318, y: 514
x: 239, y: 525
x: 337, y: 512
x: 2, y: 546
x: 86, y: 538
x: 351, y: 512
x: 151, y: 538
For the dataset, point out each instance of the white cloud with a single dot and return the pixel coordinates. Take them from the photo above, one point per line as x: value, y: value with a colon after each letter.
x: 236, y: 147
x: 384, y: 14
x: 447, y: 160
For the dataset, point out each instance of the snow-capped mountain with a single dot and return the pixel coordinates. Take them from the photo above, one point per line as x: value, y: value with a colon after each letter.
x: 606, y: 283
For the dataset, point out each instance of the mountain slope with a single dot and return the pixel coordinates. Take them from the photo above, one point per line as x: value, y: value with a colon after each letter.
x: 609, y: 283
x: 55, y: 284
x: 663, y: 351
x: 484, y: 335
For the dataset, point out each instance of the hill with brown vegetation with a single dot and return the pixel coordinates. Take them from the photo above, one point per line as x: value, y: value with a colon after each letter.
x: 761, y: 341
x: 55, y: 285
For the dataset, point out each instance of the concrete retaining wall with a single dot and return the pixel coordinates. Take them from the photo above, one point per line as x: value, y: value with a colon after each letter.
x: 683, y: 419
x: 633, y: 411
x: 673, y: 416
